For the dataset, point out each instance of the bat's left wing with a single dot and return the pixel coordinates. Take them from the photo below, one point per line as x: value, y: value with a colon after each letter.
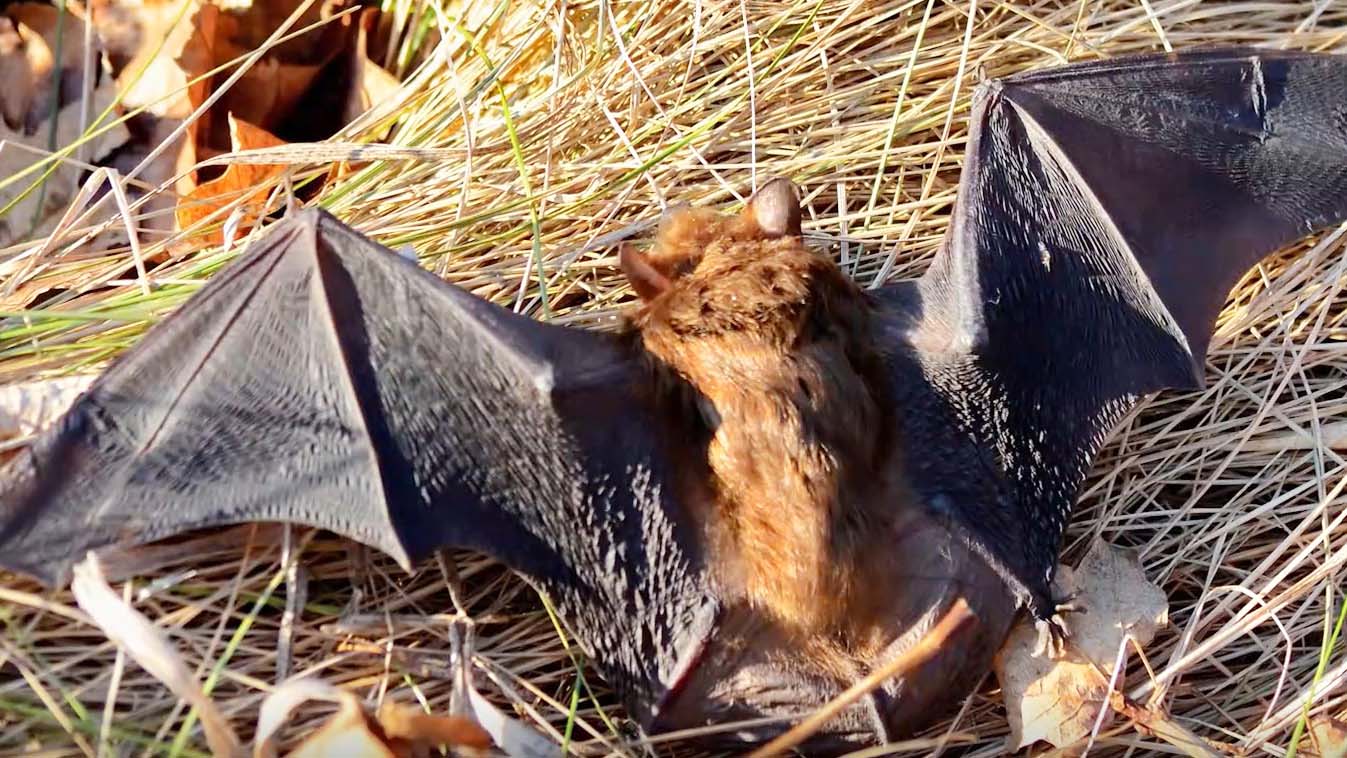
x: 1104, y: 212
x: 324, y: 380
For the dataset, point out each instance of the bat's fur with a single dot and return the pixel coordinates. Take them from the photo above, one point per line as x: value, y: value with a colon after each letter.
x: 773, y: 336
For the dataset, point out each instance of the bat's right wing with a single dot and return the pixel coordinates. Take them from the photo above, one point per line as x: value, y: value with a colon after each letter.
x: 324, y: 380
x: 1104, y: 212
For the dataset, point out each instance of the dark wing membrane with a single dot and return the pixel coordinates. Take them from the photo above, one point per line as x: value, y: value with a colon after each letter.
x: 1104, y: 212
x: 323, y: 380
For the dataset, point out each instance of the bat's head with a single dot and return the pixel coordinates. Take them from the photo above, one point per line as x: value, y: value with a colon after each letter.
x: 710, y: 274
x: 688, y: 236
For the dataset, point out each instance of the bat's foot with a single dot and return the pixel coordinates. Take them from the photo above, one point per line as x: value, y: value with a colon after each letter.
x: 1052, y: 637
x: 1053, y: 634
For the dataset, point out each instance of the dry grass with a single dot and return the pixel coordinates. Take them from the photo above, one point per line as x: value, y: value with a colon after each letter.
x: 1233, y: 495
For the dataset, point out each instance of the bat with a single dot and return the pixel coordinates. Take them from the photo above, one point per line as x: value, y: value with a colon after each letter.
x: 769, y: 481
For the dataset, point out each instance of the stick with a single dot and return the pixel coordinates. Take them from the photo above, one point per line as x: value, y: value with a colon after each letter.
x: 926, y: 647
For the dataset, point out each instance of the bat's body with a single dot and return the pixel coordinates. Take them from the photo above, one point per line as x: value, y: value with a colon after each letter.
x: 809, y: 520
x: 771, y: 482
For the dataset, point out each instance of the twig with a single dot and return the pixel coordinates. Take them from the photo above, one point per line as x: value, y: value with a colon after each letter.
x: 930, y: 644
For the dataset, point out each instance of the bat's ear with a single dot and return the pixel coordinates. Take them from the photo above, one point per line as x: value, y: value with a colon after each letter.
x: 775, y: 209
x: 647, y: 280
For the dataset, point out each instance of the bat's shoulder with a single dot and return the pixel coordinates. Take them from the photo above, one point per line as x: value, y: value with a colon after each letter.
x: 915, y: 330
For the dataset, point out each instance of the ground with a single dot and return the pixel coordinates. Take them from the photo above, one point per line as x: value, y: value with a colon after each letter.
x: 541, y: 135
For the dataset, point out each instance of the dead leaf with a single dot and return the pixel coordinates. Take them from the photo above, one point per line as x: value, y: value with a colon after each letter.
x: 370, y: 83
x: 1327, y: 738
x: 398, y: 731
x: 118, y: 25
x: 413, y: 725
x: 46, y: 20
x: 371, y: 86
x: 163, y: 52
x: 16, y: 97
x: 32, y: 82
x: 198, y: 57
x: 44, y: 30
x: 146, y: 644
x: 26, y: 219
x: 1059, y: 701
x: 29, y: 407
x: 242, y: 184
x: 165, y: 49
x: 265, y: 95
x: 268, y: 92
x: 160, y: 30
x: 349, y: 733
x: 255, y: 21
x: 143, y: 39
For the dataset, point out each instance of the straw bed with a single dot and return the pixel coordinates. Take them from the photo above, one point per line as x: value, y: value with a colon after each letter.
x: 1232, y: 495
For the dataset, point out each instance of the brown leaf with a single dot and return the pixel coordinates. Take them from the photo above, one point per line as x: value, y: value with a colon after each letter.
x: 398, y: 731
x: 254, y: 22
x: 242, y: 184
x: 159, y: 31
x: 199, y: 55
x: 32, y: 84
x: 1059, y: 701
x: 146, y: 37
x: 349, y: 733
x: 1327, y: 738
x: 268, y: 92
x: 16, y: 96
x: 370, y: 83
x: 26, y: 219
x: 118, y: 29
x: 41, y: 61
x: 45, y: 20
x: 166, y: 48
x: 413, y: 725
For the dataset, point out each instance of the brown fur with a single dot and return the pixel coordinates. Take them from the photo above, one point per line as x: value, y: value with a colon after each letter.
x: 775, y: 337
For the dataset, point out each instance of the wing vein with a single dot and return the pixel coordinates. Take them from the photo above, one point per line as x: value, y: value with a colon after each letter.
x: 153, y: 437
x: 1043, y: 141
x: 319, y: 285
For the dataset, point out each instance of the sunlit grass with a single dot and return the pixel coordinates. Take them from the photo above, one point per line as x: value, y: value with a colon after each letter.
x: 572, y: 125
